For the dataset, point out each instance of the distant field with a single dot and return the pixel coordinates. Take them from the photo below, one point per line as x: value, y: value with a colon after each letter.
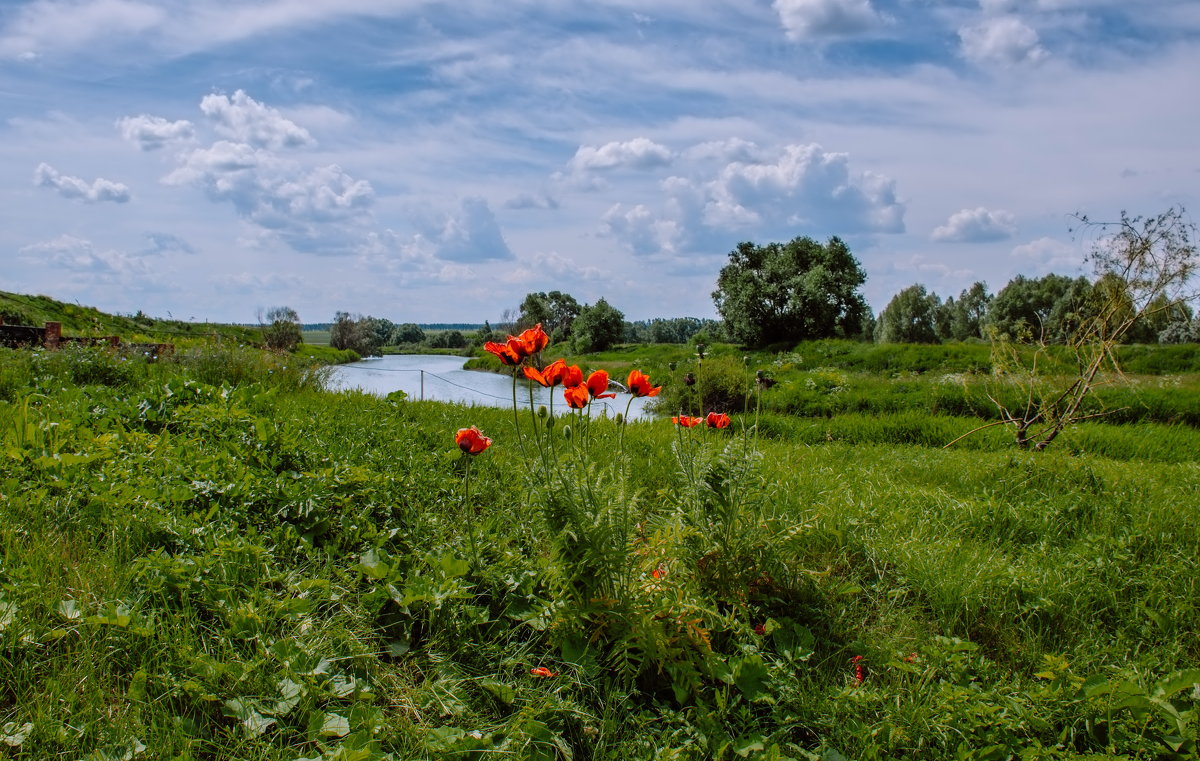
x: 316, y: 337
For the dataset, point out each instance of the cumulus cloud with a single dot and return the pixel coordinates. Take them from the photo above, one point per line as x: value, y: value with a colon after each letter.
x: 166, y: 243
x: 638, y: 153
x: 803, y: 19
x: 805, y: 184
x: 153, y: 132
x: 797, y: 186
x: 1004, y: 40
x: 98, y: 191
x: 245, y: 120
x: 732, y: 149
x: 643, y: 232
x: 977, y: 225
x: 470, y: 235
x: 79, y: 255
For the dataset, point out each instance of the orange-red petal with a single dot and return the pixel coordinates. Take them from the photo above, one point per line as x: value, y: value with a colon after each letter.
x: 471, y: 440
x: 577, y: 397
x: 687, y: 421
x: 597, y: 384
x: 717, y: 420
x: 504, y: 352
x: 639, y: 384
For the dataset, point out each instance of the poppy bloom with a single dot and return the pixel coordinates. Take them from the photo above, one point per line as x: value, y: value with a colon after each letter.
x: 658, y: 573
x: 531, y: 341
x: 471, y: 440
x: 760, y: 629
x: 576, y: 396
x: 687, y: 421
x: 717, y: 420
x: 639, y: 384
x: 542, y: 672
x: 504, y: 352
x: 572, y: 376
x: 550, y: 376
x: 597, y: 384
x: 860, y: 671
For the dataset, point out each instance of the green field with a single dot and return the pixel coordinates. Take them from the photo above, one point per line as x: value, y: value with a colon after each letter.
x: 210, y: 557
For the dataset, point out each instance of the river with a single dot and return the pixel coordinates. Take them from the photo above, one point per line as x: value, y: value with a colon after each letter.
x: 441, y: 378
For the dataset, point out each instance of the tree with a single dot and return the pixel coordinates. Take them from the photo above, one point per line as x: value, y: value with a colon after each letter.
x: 963, y: 318
x: 408, y: 333
x: 556, y: 311
x: 791, y: 292
x: 356, y: 333
x: 909, y: 318
x: 1144, y: 267
x: 597, y: 327
x: 1028, y: 308
x: 282, y: 332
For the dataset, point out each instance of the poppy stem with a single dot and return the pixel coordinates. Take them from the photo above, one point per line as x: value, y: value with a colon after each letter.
x: 468, y: 516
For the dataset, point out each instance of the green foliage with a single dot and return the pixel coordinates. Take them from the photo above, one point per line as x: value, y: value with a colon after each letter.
x: 256, y: 569
x: 784, y: 293
x: 910, y: 317
x: 282, y: 332
x: 556, y: 311
x: 598, y: 327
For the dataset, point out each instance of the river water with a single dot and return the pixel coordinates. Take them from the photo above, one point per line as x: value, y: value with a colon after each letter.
x: 441, y: 378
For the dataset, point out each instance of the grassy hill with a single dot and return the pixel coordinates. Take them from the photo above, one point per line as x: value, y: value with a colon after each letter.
x: 77, y: 320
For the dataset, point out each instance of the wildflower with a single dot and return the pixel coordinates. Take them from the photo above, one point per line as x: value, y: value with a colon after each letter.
x: 860, y: 671
x: 531, y: 341
x: 658, y: 573
x: 639, y: 384
x: 576, y: 396
x: 505, y: 353
x: 471, y: 440
x: 689, y: 380
x: 549, y: 376
x: 542, y: 672
x: 597, y: 384
x: 717, y: 420
x: 572, y: 376
x: 760, y: 629
x: 687, y: 421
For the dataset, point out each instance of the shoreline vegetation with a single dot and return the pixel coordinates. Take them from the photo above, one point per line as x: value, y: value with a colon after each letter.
x: 211, y: 556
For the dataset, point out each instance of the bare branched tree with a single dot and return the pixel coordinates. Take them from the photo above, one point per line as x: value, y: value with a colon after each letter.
x: 1144, y: 266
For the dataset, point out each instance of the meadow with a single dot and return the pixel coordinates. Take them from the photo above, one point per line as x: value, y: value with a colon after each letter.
x: 212, y: 557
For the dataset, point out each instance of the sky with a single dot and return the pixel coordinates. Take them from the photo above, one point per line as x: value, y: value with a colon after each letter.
x: 436, y: 161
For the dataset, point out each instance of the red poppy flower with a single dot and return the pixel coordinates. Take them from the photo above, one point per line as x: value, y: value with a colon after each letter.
x: 687, y: 421
x: 572, y: 376
x: 658, y: 573
x: 760, y: 629
x: 471, y: 440
x: 639, y: 384
x: 550, y: 376
x: 717, y: 420
x: 532, y: 341
x: 504, y: 352
x: 576, y: 396
x: 597, y: 384
x: 542, y: 672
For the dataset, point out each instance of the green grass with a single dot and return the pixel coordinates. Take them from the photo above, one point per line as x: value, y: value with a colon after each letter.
x: 209, y: 557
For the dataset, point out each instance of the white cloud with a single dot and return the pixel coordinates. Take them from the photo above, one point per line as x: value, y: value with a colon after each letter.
x: 78, y: 255
x: 531, y: 201
x: 640, y: 230
x: 470, y: 235
x: 166, y: 243
x: 804, y: 185
x: 99, y: 191
x: 638, y: 153
x: 245, y: 120
x: 316, y: 210
x: 59, y: 25
x: 977, y: 226
x: 803, y: 19
x: 1004, y: 40
x: 1047, y: 255
x: 731, y: 149
x: 153, y: 132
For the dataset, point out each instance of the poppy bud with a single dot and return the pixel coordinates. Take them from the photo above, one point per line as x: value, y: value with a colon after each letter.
x: 620, y: 418
x: 550, y: 423
x: 689, y: 380
x: 542, y: 411
x: 672, y: 366
x: 566, y: 431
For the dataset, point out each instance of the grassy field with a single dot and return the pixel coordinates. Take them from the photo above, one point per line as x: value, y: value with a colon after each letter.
x: 213, y: 558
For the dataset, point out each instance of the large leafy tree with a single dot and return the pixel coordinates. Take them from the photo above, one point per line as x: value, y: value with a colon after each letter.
x: 790, y: 292
x: 598, y: 327
x: 282, y: 332
x: 556, y: 311
x: 909, y: 317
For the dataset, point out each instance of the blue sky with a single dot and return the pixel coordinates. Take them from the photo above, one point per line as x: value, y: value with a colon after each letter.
x: 436, y: 161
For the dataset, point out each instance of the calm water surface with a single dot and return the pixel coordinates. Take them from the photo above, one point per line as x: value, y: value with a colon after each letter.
x: 441, y: 378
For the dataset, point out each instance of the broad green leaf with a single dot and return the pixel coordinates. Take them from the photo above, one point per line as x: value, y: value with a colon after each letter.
x: 750, y: 675
x: 1177, y: 682
x: 13, y: 735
